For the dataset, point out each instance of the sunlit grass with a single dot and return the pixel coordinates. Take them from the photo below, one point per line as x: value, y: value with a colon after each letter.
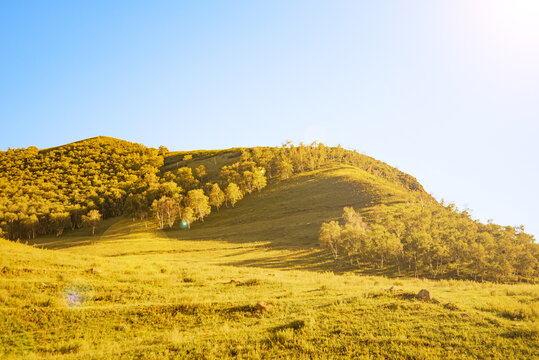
x: 190, y: 303
x: 144, y: 293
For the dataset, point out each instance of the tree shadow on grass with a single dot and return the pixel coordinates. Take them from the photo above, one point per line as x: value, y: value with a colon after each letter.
x: 312, y: 260
x: 110, y: 229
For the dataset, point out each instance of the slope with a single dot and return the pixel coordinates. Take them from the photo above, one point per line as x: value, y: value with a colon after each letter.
x: 285, y: 216
x: 289, y: 213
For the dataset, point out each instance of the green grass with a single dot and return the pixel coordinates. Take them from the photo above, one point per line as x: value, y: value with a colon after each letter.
x: 192, y: 294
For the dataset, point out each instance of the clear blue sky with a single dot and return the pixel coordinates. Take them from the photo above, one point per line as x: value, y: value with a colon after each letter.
x: 447, y: 91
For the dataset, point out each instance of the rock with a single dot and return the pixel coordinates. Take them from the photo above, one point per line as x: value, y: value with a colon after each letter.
x: 263, y: 306
x: 423, y: 294
x: 94, y: 270
x: 235, y: 281
x: 451, y: 306
x: 464, y: 315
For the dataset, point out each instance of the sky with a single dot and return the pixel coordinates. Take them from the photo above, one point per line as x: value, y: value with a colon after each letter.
x: 447, y: 91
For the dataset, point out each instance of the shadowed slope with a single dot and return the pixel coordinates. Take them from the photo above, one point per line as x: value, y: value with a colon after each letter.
x: 289, y: 213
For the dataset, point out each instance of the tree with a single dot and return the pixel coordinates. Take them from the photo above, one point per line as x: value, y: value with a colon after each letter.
x: 188, y: 216
x: 283, y: 168
x: 163, y: 150
x: 387, y: 245
x: 185, y: 178
x: 158, y: 190
x: 259, y: 179
x: 96, y: 173
x: 351, y: 217
x: 92, y: 219
x: 216, y: 196
x: 60, y: 221
x: 166, y: 210
x: 330, y: 237
x: 355, y: 241
x: 246, y: 182
x: 201, y: 172
x: 233, y: 194
x: 31, y: 223
x: 199, y: 203
x: 229, y: 174
x: 253, y: 179
x: 135, y: 206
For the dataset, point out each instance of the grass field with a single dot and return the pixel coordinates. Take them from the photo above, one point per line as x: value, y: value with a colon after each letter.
x: 136, y: 293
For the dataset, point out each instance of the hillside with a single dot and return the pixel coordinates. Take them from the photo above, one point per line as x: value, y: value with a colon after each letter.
x: 48, y: 191
x: 286, y: 215
x: 250, y: 279
x: 292, y: 196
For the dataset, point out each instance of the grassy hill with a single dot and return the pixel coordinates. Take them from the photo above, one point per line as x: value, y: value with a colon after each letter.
x: 133, y: 292
x: 285, y: 215
x: 251, y: 281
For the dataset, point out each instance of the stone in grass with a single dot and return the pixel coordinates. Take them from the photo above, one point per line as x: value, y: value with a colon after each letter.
x: 262, y: 306
x: 94, y: 270
x: 423, y: 294
x: 451, y: 306
x: 465, y: 316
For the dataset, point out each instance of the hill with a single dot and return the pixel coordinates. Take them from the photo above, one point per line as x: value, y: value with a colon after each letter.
x: 48, y: 191
x: 251, y: 280
x: 293, y: 196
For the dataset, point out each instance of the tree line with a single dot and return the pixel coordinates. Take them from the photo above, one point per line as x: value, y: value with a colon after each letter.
x: 431, y: 240
x: 281, y: 163
x: 47, y: 191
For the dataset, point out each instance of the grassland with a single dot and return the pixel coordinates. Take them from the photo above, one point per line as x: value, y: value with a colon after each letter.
x: 136, y: 292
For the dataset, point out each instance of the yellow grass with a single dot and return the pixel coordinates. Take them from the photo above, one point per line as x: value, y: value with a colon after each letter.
x: 131, y: 292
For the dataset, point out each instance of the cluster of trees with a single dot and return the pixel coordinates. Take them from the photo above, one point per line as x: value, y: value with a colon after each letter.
x: 432, y: 240
x: 281, y: 163
x: 48, y: 191
x: 181, y: 195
